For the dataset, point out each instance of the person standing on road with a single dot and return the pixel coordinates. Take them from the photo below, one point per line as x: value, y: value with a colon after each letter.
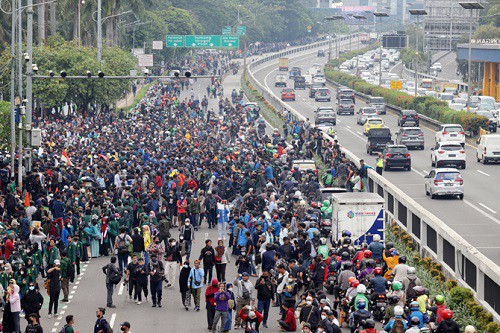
x: 265, y: 292
x: 221, y: 261
x: 173, y: 259
x: 101, y: 324
x: 184, y: 285
x: 110, y: 270
x: 131, y: 277
x: 195, y: 283
x: 125, y: 327
x: 244, y: 295
x: 208, y: 256
x: 70, y: 321
x: 221, y: 298
x: 142, y: 281
x: 380, y: 164
x: 66, y: 270
x: 54, y: 276
x: 34, y: 325
x: 187, y: 235
x: 32, y: 302
x: 156, y: 272
x: 210, y: 301
x: 121, y: 248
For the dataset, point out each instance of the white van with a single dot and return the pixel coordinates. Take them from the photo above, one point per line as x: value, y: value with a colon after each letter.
x: 488, y: 148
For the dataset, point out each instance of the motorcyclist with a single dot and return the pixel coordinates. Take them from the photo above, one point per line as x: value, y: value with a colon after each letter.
x: 397, y: 324
x: 323, y: 248
x: 367, y: 274
x: 400, y: 271
x: 391, y: 261
x: 415, y: 313
x: 326, y: 210
x: 347, y: 247
x: 360, y: 256
x: 352, y: 291
x: 342, y: 282
x: 378, y: 283
x: 369, y: 326
x: 360, y: 295
x: 410, y: 282
x: 448, y: 325
x: 415, y: 323
x: 422, y: 298
x: 361, y: 314
x: 389, y: 312
x: 397, y: 287
x: 437, y: 309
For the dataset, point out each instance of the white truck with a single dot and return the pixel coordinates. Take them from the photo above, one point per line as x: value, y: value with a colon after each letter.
x: 361, y: 213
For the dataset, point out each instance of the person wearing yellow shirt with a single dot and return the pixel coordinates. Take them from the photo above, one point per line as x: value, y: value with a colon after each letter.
x: 380, y: 163
x: 391, y: 262
x: 146, y: 235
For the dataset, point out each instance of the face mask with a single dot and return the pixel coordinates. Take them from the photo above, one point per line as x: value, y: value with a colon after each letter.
x: 186, y: 266
x: 308, y: 302
x: 134, y: 261
x: 187, y: 224
x: 230, y: 289
x: 173, y: 243
x: 123, y: 329
x: 154, y: 260
x: 323, y: 317
x: 157, y: 242
x: 32, y: 287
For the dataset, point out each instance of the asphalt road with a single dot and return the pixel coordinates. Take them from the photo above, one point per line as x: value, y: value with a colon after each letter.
x: 476, y: 218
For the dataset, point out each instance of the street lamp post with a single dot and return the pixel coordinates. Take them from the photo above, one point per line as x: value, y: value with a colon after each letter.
x: 418, y: 13
x: 470, y: 6
x: 79, y: 30
x: 359, y: 18
x: 380, y: 15
x: 329, y: 19
x: 100, y: 21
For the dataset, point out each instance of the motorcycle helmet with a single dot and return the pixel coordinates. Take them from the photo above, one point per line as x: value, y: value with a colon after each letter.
x: 345, y: 256
x: 393, y: 299
x: 322, y: 240
x: 368, y: 254
x: 415, y: 321
x: 369, y: 323
x: 402, y: 260
x: 346, y: 233
x: 447, y: 314
x: 314, y: 204
x: 419, y: 290
x: 411, y: 270
x: 396, y: 285
x: 398, y: 310
x: 361, y: 304
x: 377, y: 271
x: 355, y: 283
x: 361, y: 289
x: 347, y: 265
x: 389, y: 245
x: 351, y: 279
x: 414, y: 305
x: 370, y: 263
x: 347, y: 241
x: 439, y: 299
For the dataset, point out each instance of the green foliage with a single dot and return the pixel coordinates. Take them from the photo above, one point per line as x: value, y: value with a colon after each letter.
x: 494, y: 20
x: 427, y: 106
x: 408, y: 57
x: 487, y: 32
x: 4, y: 124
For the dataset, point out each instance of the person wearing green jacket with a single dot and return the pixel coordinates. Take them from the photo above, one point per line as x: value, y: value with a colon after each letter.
x: 32, y: 270
x: 65, y: 274
x: 71, y: 250
x: 113, y: 229
x: 52, y: 253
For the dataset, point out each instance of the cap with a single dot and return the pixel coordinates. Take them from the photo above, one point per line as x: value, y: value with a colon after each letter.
x: 57, y: 262
x: 244, y: 274
x: 125, y: 323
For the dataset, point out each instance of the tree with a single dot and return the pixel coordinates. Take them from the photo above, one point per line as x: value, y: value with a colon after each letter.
x: 494, y: 12
x: 487, y: 32
x: 4, y: 124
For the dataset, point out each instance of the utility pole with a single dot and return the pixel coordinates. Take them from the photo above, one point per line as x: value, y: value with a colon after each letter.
x: 13, y: 90
x: 378, y: 28
x: 99, y: 30
x: 29, y: 81
x: 20, y: 94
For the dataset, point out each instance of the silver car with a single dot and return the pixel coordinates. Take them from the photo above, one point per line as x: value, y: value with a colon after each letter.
x: 411, y: 137
x: 444, y: 181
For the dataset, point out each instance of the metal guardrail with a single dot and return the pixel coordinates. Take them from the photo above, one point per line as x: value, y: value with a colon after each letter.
x: 459, y: 259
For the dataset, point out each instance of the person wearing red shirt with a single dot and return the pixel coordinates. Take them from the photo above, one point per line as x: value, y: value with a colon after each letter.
x: 9, y: 246
x: 251, y: 318
x: 290, y: 322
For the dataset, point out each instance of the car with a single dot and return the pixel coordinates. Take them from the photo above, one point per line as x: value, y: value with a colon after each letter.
x: 304, y: 165
x: 437, y: 67
x: 312, y: 89
x: 411, y: 137
x: 288, y: 94
x: 396, y: 156
x: 378, y: 139
x: 299, y: 82
x: 325, y: 193
x: 345, y: 93
x: 488, y: 148
x: 321, y: 53
x: 345, y: 106
x: 322, y: 94
x: 294, y: 72
x: 377, y: 103
x: 325, y: 109
x: 444, y: 181
x: 371, y: 123
x: 448, y: 153
x: 365, y: 113
x: 326, y: 121
x: 408, y: 116
x: 318, y: 67
x: 492, y: 120
x: 319, y: 78
x: 280, y: 80
x: 450, y: 132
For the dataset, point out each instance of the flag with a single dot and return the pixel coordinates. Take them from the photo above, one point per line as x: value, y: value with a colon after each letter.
x: 27, y: 200
x: 65, y: 158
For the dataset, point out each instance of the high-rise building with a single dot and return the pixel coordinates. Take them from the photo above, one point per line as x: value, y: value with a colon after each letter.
x: 445, y: 23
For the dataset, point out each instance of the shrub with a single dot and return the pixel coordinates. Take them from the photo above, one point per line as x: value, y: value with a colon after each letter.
x: 450, y: 284
x: 460, y: 295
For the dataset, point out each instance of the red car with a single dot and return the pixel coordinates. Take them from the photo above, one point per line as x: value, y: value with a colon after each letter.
x: 288, y: 94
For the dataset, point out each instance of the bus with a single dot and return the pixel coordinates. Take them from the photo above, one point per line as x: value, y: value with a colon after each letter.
x: 427, y: 84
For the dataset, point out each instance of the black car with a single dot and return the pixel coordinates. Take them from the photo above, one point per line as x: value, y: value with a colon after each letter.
x: 313, y: 88
x: 299, y: 82
x: 396, y: 156
x: 378, y: 139
x: 408, y: 117
x: 321, y: 53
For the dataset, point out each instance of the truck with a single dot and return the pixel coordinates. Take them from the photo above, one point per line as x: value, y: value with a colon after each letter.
x: 362, y: 213
x: 280, y: 80
x: 283, y: 64
x: 299, y: 82
x: 378, y: 138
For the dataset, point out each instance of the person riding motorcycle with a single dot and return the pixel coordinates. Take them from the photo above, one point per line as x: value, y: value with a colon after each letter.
x: 415, y: 312
x: 437, y: 309
x: 397, y: 324
x: 397, y: 289
x: 369, y: 326
x: 414, y: 325
x: 359, y: 316
x: 323, y: 248
x: 448, y: 325
x: 361, y: 291
x: 389, y: 312
x: 367, y: 274
x: 343, y: 281
x: 391, y: 261
x: 378, y: 284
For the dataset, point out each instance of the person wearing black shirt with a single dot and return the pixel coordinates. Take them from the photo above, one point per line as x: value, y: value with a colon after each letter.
x: 131, y: 276
x: 208, y: 256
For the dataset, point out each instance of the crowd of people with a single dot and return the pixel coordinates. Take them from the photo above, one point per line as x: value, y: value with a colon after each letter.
x: 119, y: 185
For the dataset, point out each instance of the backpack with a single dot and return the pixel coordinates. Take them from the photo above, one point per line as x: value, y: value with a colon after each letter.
x: 71, y: 268
x: 410, y: 293
x: 115, y: 277
x: 398, y: 326
x: 122, y: 244
x: 211, y: 203
x: 63, y: 329
x: 369, y: 276
x: 245, y: 292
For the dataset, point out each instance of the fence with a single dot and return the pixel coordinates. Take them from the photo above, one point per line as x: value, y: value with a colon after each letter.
x: 435, y: 239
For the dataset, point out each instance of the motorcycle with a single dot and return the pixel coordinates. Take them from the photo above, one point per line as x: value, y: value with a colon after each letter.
x: 378, y: 306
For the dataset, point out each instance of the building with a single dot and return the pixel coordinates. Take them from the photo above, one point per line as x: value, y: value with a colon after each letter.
x: 317, y: 3
x: 445, y: 23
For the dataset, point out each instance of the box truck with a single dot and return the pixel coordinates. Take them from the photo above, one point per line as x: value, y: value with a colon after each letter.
x: 361, y: 213
x: 283, y: 64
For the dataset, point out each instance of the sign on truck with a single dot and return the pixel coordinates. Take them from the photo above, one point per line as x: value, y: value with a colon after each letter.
x: 361, y: 213
x: 283, y: 64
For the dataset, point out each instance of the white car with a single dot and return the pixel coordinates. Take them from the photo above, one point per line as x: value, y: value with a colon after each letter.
x: 450, y: 132
x: 488, y: 148
x: 318, y: 67
x: 319, y: 78
x: 444, y: 181
x: 448, y: 153
x: 437, y: 67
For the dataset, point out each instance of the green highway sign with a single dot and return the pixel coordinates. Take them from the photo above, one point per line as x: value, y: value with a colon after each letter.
x: 241, y: 30
x: 226, y: 30
x: 203, y: 41
x: 175, y: 41
x: 230, y: 41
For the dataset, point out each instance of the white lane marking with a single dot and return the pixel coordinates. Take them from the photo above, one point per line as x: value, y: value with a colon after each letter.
x: 73, y: 292
x: 345, y: 125
x: 484, y: 173
x: 120, y: 290
x: 482, y: 211
x: 54, y: 330
x: 356, y: 135
x: 112, y: 321
x: 75, y: 287
x: 70, y: 297
x: 62, y: 312
x: 57, y: 323
x: 420, y: 173
x: 77, y: 282
x: 359, y: 133
x: 488, y: 208
x: 425, y: 171
x: 65, y: 307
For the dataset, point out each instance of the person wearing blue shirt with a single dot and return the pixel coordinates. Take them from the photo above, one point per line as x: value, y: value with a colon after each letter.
x: 195, y: 282
x: 310, y: 232
x: 276, y: 226
x: 415, y: 312
x: 268, y: 171
x: 376, y: 247
x: 242, y: 239
x: 24, y: 224
x: 398, y: 313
